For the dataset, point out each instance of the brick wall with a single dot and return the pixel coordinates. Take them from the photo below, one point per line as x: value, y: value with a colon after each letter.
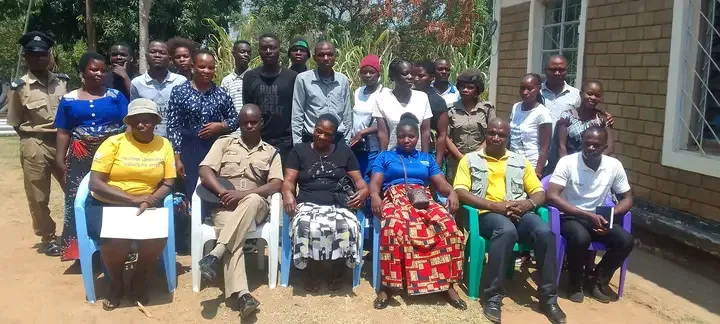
x: 627, y: 48
x: 512, y: 55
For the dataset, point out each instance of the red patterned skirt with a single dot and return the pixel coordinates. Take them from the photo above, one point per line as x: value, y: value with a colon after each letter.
x: 425, y: 247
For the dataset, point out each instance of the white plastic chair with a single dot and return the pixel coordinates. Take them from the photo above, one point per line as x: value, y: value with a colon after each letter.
x: 268, y: 232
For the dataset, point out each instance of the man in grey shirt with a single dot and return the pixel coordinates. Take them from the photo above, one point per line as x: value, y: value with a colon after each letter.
x: 321, y: 91
x: 157, y: 83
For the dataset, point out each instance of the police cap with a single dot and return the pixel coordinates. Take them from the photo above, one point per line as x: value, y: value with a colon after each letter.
x: 36, y: 42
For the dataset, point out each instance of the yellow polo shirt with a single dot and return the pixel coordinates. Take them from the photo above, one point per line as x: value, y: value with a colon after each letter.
x: 134, y: 167
x: 496, y: 177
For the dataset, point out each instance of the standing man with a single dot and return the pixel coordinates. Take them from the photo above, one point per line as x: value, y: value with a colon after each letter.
x: 157, y: 83
x: 120, y: 72
x: 321, y: 91
x: 503, y: 186
x: 242, y: 208
x: 233, y: 82
x: 270, y: 86
x: 557, y: 94
x: 299, y: 54
x: 581, y: 182
x: 442, y: 84
x: 34, y: 100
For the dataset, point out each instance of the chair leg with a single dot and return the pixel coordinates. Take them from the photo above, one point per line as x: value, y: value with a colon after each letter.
x: 273, y: 261
x: 196, y: 250
x: 286, y: 262
x: 168, y: 261
x: 88, y: 276
x: 560, y: 260
x: 623, y: 272
x: 262, y: 244
x: 357, y: 271
x: 376, y: 254
x: 477, y: 261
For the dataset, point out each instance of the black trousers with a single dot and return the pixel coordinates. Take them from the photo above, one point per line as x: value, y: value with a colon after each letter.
x: 578, y: 232
x: 532, y: 231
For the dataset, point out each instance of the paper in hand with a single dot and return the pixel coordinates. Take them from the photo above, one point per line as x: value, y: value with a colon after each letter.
x: 123, y: 223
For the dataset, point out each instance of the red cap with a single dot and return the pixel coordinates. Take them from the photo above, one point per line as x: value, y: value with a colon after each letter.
x: 371, y: 60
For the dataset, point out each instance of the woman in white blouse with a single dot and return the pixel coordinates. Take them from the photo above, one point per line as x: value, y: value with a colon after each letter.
x: 390, y: 105
x: 364, y: 143
x: 531, y: 124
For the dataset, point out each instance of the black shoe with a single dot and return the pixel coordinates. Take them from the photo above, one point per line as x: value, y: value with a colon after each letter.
x: 248, y: 304
x: 458, y: 304
x: 492, y: 311
x: 554, y: 313
x: 51, y: 248
x: 577, y: 296
x: 209, y: 266
x: 597, y: 292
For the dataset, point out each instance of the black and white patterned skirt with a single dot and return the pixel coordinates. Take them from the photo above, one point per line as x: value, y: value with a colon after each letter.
x: 324, y: 233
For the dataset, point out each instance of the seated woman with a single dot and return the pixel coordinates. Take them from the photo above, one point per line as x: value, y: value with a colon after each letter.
x: 430, y: 257
x: 323, y: 227
x: 573, y: 123
x: 135, y: 168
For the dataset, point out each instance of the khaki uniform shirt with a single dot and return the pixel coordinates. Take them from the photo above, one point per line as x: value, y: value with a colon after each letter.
x: 467, y: 129
x: 247, y: 168
x: 33, y: 103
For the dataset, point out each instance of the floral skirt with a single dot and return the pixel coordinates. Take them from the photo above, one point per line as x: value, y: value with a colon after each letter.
x: 324, y: 233
x: 77, y: 163
x: 422, y: 246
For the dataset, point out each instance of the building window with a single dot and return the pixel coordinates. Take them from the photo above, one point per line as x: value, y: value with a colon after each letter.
x: 692, y: 119
x: 560, y: 33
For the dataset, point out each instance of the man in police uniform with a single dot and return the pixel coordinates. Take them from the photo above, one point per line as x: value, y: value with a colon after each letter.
x: 254, y: 169
x: 33, y: 103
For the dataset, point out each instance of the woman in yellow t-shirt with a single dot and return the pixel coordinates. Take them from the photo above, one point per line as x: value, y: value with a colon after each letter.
x: 136, y: 168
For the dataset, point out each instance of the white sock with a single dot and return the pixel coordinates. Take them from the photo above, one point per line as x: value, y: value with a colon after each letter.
x: 218, y: 251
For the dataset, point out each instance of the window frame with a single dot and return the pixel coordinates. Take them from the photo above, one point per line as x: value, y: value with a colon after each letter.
x: 536, y: 37
x: 674, y: 132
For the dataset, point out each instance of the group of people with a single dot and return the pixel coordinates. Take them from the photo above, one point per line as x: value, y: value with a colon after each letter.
x: 411, y: 154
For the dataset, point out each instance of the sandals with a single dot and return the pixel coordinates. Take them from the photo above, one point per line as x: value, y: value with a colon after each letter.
x: 312, y: 285
x: 114, y: 297
x: 380, y: 302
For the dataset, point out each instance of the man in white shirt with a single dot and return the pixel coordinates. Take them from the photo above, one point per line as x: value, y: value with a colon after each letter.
x: 442, y: 84
x: 581, y: 182
x: 233, y: 82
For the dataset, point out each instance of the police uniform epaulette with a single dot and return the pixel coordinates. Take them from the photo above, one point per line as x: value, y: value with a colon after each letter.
x: 17, y: 84
x: 62, y: 76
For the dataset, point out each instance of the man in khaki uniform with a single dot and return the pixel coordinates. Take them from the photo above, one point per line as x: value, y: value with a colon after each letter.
x: 33, y: 102
x: 254, y: 169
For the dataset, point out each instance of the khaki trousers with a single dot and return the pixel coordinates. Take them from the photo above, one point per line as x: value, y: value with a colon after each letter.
x: 37, y: 158
x: 231, y: 228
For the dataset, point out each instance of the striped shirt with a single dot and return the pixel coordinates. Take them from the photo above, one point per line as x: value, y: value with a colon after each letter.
x: 233, y: 83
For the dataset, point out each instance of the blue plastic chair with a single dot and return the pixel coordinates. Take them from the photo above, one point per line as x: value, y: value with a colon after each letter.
x: 87, y: 246
x: 287, y: 263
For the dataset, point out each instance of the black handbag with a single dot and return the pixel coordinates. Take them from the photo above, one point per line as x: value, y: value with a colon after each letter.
x: 344, y: 190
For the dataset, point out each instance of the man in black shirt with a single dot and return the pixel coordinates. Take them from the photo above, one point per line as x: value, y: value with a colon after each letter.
x: 299, y: 54
x: 271, y: 86
x: 119, y: 73
x: 423, y: 75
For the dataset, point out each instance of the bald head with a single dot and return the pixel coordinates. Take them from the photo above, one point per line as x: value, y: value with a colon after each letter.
x: 324, y: 44
x: 251, y: 120
x: 498, y: 134
x: 499, y: 123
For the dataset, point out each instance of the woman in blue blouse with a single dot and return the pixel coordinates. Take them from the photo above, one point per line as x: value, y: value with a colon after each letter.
x: 198, y: 113
x: 85, y: 118
x: 430, y: 255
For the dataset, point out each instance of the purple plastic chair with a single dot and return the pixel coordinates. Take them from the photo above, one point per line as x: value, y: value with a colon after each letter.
x: 594, y: 246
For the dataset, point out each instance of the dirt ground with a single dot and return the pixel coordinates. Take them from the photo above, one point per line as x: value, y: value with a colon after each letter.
x: 40, y: 289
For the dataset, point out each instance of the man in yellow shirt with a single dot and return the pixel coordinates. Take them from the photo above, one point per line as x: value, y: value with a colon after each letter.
x: 505, y: 189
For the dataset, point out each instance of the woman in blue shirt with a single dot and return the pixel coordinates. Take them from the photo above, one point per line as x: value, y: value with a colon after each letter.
x: 198, y: 113
x: 84, y: 119
x: 430, y: 256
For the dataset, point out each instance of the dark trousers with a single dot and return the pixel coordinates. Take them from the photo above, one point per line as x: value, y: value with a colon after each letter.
x: 578, y: 232
x: 530, y: 231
